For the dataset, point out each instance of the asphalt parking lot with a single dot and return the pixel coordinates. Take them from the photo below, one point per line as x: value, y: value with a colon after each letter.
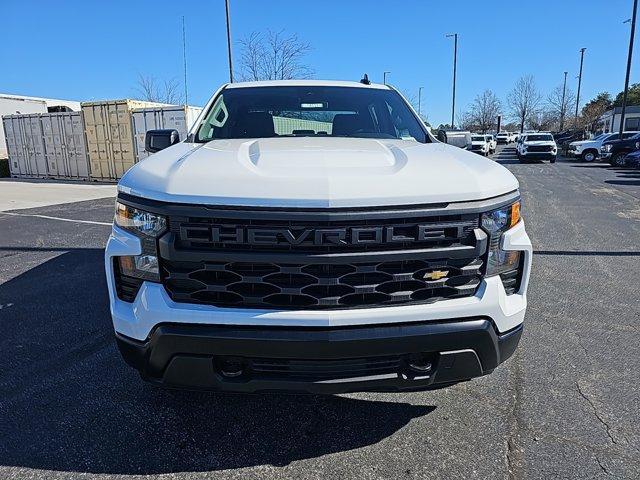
x: 566, y: 405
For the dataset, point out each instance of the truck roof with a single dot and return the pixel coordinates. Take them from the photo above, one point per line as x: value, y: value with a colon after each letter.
x: 306, y: 83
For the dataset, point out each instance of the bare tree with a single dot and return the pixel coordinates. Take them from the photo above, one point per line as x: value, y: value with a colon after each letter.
x: 559, y: 105
x: 524, y: 99
x: 152, y: 90
x: 483, y: 113
x: 274, y: 56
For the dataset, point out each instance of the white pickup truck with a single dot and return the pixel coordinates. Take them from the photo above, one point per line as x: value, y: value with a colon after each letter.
x: 313, y: 236
x: 537, y: 146
x: 589, y: 150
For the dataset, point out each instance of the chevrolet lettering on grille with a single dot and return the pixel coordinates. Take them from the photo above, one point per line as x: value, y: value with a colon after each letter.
x: 316, y: 236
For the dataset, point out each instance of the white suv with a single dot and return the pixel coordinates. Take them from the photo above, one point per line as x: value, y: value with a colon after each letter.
x: 313, y: 236
x: 479, y: 144
x: 537, y: 146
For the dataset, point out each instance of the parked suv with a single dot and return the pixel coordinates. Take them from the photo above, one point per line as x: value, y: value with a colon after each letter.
x: 504, y: 138
x: 589, y: 150
x: 537, y: 146
x: 614, y: 151
x: 312, y: 236
x: 479, y: 144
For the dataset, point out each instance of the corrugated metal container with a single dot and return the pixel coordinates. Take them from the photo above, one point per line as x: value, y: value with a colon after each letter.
x: 20, y: 105
x: 177, y: 118
x: 25, y: 143
x: 16, y: 105
x: 65, y: 145
x: 109, y: 132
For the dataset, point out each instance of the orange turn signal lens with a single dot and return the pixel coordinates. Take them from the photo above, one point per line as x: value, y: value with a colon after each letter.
x: 515, y: 214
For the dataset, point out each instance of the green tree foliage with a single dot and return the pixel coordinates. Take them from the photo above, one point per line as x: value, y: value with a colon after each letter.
x: 633, y: 97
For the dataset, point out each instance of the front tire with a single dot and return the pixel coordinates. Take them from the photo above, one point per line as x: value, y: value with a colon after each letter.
x: 553, y: 160
x: 617, y: 160
x: 588, y: 156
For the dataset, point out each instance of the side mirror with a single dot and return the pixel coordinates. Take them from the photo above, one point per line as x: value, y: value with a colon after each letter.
x: 156, y: 140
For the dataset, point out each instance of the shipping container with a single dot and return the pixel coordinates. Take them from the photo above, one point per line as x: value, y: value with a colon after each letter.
x: 21, y: 105
x: 65, y: 145
x: 109, y: 133
x: 25, y: 143
x: 176, y: 118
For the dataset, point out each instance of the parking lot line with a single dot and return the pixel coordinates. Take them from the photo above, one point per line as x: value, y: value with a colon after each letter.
x: 47, y: 217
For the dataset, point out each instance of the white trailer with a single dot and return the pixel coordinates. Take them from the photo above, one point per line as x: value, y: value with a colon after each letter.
x: 180, y: 118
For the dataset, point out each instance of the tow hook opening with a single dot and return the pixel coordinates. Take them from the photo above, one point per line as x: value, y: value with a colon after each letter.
x: 231, y: 367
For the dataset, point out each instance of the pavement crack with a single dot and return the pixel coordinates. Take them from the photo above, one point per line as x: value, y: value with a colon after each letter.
x: 514, y: 454
x: 602, y: 467
x: 596, y: 413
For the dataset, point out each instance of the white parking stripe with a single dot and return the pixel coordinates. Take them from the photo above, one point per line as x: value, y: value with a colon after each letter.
x: 47, y: 217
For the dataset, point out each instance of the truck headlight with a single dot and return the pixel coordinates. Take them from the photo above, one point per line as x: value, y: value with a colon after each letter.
x: 148, y: 226
x: 607, y: 148
x: 139, y: 222
x: 496, y: 223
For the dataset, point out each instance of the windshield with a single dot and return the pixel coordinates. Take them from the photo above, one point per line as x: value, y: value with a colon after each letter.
x: 539, y: 138
x: 602, y: 136
x: 309, y: 111
x: 477, y: 139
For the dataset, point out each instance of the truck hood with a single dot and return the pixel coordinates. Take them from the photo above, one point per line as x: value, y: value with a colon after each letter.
x: 316, y: 173
x: 582, y: 143
x: 540, y: 143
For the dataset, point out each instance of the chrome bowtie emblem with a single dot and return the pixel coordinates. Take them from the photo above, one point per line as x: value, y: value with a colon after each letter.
x: 436, y: 275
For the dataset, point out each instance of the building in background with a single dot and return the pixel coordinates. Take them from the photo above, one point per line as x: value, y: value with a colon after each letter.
x: 20, y: 104
x: 610, y: 120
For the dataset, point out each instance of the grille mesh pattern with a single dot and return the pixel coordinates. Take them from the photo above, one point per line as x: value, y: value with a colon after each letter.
x: 539, y: 148
x: 271, y: 285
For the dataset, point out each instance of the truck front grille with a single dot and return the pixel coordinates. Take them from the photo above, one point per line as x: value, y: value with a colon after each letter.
x: 397, y: 261
x: 539, y: 148
x: 276, y: 285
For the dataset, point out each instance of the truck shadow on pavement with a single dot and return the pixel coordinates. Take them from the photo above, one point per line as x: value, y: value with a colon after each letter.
x: 68, y: 402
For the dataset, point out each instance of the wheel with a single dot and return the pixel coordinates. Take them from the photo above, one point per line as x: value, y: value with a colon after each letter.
x: 617, y: 160
x: 553, y: 160
x: 588, y: 156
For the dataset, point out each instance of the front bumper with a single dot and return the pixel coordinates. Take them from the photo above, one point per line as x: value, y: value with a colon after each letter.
x: 335, y: 360
x: 539, y: 155
x: 604, y: 155
x: 474, y: 333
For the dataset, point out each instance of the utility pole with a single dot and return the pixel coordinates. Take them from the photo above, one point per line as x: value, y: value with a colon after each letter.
x: 419, y: 99
x: 629, y: 57
x: 563, y: 107
x: 579, y: 85
x: 184, y: 57
x: 384, y: 77
x: 455, y: 67
x: 229, y: 42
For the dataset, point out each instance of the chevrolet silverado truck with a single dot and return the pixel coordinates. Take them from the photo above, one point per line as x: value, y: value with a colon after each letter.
x: 312, y: 236
x: 589, y: 150
x: 537, y: 146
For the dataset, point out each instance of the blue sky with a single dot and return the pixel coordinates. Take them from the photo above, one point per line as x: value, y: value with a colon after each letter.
x: 86, y: 50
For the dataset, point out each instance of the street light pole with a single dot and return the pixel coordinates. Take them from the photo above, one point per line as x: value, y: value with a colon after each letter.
x: 419, y: 99
x: 384, y: 77
x: 455, y: 67
x: 629, y: 57
x: 229, y: 42
x: 563, y: 107
x: 579, y: 84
